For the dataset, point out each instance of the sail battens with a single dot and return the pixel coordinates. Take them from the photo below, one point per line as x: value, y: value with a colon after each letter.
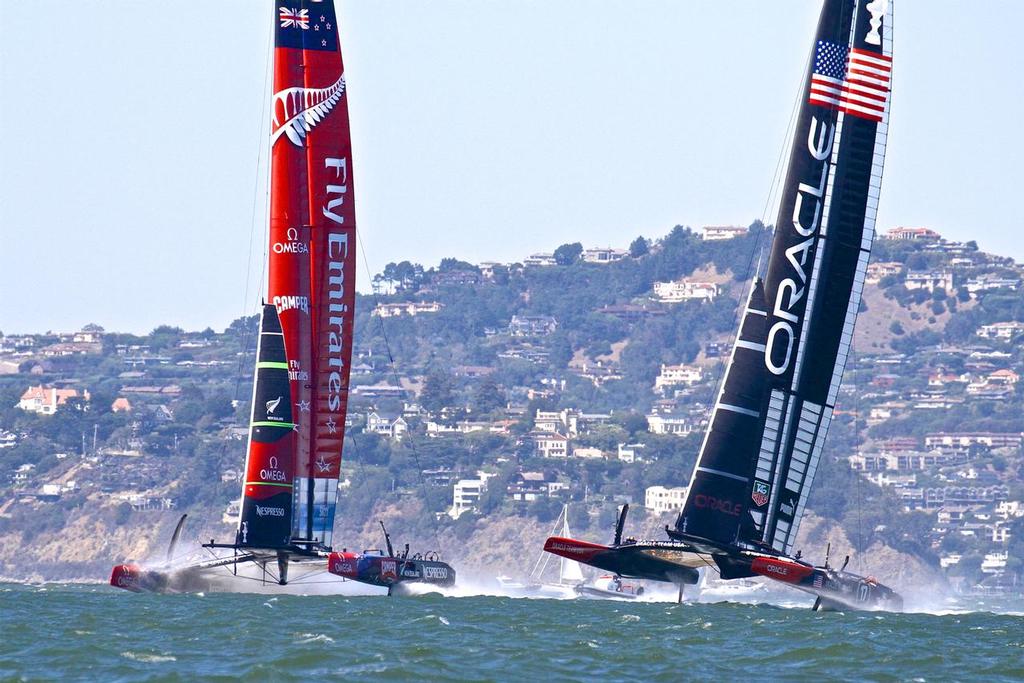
x: 752, y: 346
x: 269, y: 364
x: 738, y: 409
x: 285, y: 425
x: 720, y: 473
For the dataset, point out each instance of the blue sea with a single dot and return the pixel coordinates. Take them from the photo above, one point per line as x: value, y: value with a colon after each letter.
x: 97, y: 633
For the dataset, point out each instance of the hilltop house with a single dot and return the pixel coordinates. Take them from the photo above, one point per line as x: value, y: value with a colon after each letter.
x: 722, y: 232
x: 45, y: 400
x: 487, y: 268
x: 542, y: 259
x: 912, y: 234
x: 604, y: 255
x: 456, y: 278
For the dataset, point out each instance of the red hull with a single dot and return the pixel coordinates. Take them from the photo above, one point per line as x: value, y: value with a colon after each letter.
x: 127, y: 576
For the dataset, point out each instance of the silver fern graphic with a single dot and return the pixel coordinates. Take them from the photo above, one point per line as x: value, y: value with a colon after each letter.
x: 272, y: 405
x: 297, y: 110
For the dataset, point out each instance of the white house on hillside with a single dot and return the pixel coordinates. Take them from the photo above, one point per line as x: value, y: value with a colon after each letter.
x: 672, y: 375
x: 604, y: 255
x: 930, y: 280
x: 45, y: 400
x: 391, y: 426
x: 551, y: 444
x: 722, y: 232
x: 685, y: 290
x: 466, y: 494
x: 662, y: 499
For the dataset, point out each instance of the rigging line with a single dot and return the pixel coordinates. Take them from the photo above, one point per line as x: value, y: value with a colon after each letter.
x: 545, y: 556
x: 758, y: 249
x: 775, y: 188
x: 252, y: 229
x: 857, y: 445
x: 394, y: 375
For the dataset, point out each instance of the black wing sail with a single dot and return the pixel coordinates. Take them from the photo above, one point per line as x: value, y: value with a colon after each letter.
x: 751, y: 481
x: 716, y: 502
x: 265, y: 519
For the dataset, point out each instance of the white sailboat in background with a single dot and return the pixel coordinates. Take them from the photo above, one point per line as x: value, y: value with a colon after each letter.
x: 570, y: 573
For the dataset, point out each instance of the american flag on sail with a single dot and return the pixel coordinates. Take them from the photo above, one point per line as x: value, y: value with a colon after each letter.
x: 850, y: 80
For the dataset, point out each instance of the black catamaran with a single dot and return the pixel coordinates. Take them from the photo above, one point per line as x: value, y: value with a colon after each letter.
x: 750, y: 486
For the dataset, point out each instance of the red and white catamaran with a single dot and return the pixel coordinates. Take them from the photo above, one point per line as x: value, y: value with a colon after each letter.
x: 300, y: 394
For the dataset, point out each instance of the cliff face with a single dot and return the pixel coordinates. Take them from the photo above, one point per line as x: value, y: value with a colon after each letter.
x: 91, y: 542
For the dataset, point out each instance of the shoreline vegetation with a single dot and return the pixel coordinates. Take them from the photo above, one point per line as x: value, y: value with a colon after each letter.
x: 580, y: 376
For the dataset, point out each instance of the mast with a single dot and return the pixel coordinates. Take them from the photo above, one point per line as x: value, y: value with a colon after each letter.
x: 768, y: 427
x: 312, y: 250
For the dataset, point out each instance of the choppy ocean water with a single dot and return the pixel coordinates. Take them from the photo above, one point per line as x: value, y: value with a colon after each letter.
x: 94, y: 633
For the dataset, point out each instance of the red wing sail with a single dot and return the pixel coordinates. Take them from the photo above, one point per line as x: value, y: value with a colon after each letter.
x: 312, y: 248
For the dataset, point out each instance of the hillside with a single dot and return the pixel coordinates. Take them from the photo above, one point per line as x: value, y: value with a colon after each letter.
x: 615, y: 352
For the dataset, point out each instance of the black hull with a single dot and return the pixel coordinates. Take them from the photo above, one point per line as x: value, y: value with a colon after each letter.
x: 655, y: 561
x: 835, y: 590
x: 677, y: 561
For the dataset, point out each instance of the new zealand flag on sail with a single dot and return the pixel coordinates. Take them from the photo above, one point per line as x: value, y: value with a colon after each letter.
x: 307, y: 24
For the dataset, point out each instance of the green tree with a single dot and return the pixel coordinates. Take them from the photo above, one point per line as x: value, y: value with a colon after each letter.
x: 545, y: 509
x: 165, y: 336
x: 450, y: 264
x: 437, y: 392
x: 488, y: 397
x: 638, y: 247
x: 568, y: 254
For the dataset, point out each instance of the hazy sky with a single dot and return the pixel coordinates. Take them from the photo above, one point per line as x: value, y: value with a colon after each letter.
x: 130, y: 191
